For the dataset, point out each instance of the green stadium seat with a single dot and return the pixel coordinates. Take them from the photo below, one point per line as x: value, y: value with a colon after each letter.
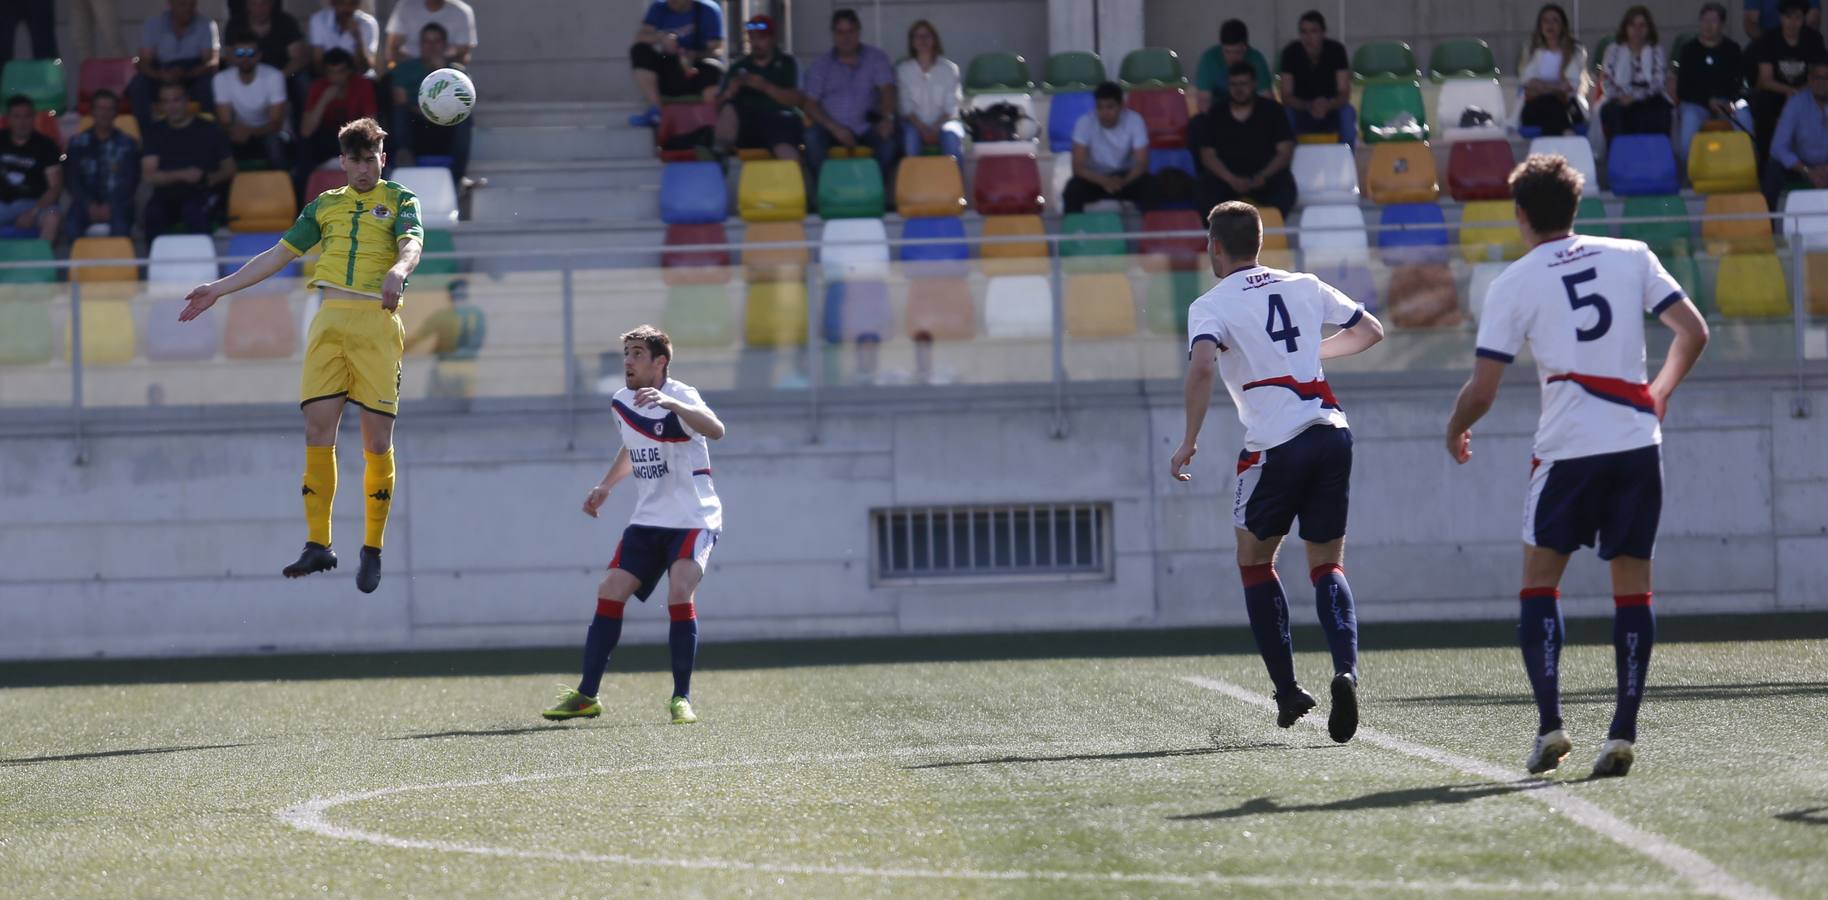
x: 1665, y: 238
x: 1074, y: 71
x: 998, y: 72
x: 438, y: 240
x: 1591, y: 208
x: 1462, y: 59
x: 699, y: 315
x: 26, y: 250
x: 1169, y: 295
x: 1152, y: 67
x: 27, y: 335
x: 1385, y: 101
x: 43, y: 80
x: 851, y: 189
x: 1687, y: 273
x: 1093, y: 254
x: 1384, y: 59
x: 1599, y: 53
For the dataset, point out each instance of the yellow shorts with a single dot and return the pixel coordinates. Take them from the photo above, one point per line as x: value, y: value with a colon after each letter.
x: 354, y: 351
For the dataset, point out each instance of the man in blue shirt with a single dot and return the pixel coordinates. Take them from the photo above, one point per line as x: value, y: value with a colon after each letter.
x: 104, y: 167
x: 1799, y: 147
x: 677, y: 53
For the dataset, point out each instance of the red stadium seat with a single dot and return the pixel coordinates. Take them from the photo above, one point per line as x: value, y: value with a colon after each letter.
x: 103, y: 74
x: 1480, y: 170
x: 322, y: 180
x: 1165, y: 111
x: 695, y: 266
x: 1181, y: 252
x: 1007, y: 186
x: 682, y: 118
x: 46, y: 124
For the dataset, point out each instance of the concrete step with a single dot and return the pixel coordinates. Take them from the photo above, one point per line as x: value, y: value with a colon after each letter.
x: 569, y: 174
x: 543, y: 205
x: 584, y: 140
x: 555, y: 113
x: 546, y: 249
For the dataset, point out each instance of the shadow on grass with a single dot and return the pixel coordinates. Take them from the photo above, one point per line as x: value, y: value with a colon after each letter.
x: 109, y: 754
x: 1102, y: 757
x: 1655, y: 693
x: 1439, y: 795
x: 503, y: 732
x: 1814, y: 816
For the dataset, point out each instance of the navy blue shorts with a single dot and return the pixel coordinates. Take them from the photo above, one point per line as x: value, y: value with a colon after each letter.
x: 1617, y: 497
x: 1308, y: 477
x: 647, y: 552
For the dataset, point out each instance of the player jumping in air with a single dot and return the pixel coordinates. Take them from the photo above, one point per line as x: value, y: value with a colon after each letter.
x: 1260, y: 329
x: 1579, y: 302
x: 664, y: 427
x: 370, y: 240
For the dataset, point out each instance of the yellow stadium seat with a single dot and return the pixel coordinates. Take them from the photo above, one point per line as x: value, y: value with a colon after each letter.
x: 775, y: 264
x: 775, y: 315
x: 1751, y: 284
x: 1019, y: 258
x: 103, y: 248
x: 1401, y: 172
x: 1487, y: 226
x: 1272, y: 219
x: 1740, y: 235
x: 262, y: 202
x: 771, y: 190
x: 126, y: 125
x: 929, y: 186
x: 1099, y: 304
x: 107, y: 326
x: 260, y: 327
x: 1722, y: 162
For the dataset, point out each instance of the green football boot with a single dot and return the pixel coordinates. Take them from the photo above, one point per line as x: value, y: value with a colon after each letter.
x: 573, y: 705
x: 681, y: 708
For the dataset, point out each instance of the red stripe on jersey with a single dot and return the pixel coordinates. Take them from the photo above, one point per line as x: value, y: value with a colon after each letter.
x: 1247, y: 460
x: 1612, y: 390
x: 1623, y: 600
x: 688, y: 545
x: 1306, y: 390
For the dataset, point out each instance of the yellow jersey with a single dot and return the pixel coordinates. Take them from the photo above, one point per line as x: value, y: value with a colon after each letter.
x: 360, y: 234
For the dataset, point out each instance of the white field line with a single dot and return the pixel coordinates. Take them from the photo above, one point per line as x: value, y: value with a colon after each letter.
x: 311, y: 816
x: 1697, y: 870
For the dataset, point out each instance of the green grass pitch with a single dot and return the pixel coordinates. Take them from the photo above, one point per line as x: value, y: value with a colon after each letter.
x: 1038, y: 766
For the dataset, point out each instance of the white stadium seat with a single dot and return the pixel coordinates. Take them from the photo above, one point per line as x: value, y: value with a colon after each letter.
x: 854, y: 248
x: 1019, y: 306
x: 186, y: 259
x: 436, y: 191
x: 1578, y: 152
x: 1325, y: 173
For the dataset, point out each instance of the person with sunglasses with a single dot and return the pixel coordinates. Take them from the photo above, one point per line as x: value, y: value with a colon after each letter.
x: 251, y: 104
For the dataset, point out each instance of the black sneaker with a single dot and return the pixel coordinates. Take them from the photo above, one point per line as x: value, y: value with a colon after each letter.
x: 1291, y: 706
x: 1342, y: 719
x: 368, y: 571
x: 314, y: 558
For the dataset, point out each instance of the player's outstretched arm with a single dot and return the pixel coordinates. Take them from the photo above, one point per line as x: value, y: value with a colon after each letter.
x: 1201, y: 370
x: 1363, y: 335
x: 1691, y: 337
x: 618, y: 470
x: 1476, y: 399
x: 253, y: 272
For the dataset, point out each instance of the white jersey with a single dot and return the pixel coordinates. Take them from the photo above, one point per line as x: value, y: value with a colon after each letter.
x: 672, y: 463
x: 1267, y: 325
x: 1580, y: 303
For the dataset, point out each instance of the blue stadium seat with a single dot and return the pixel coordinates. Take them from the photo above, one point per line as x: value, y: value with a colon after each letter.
x: 936, y: 259
x: 1352, y: 277
x: 693, y: 193
x: 249, y: 244
x: 1642, y: 164
x: 1063, y: 112
x: 1414, y: 246
x: 857, y: 308
x: 1176, y: 158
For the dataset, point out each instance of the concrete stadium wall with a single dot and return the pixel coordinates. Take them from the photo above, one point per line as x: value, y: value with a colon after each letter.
x: 168, y: 539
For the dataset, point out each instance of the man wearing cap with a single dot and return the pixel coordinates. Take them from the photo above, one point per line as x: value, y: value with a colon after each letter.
x: 759, y: 104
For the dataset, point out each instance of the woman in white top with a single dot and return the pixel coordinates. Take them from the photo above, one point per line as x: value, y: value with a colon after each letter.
x: 927, y: 84
x: 1635, y: 75
x: 1554, y: 76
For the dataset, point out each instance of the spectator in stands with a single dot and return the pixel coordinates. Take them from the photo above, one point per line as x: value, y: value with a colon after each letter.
x: 406, y: 26
x: 96, y: 27
x: 1710, y: 80
x: 851, y: 97
x: 40, y: 24
x: 188, y: 163
x: 1554, y: 75
x: 1799, y: 149
x: 1110, y: 154
x: 1764, y: 15
x: 1212, y: 79
x: 31, y: 172
x: 1317, y: 82
x: 456, y: 334
x: 1782, y: 55
x: 759, y: 106
x: 1245, y: 147
x: 413, y: 135
x: 1635, y: 73
x: 282, y: 45
x: 677, y: 53
x: 341, y: 26
x: 176, y: 47
x: 927, y: 85
x: 251, y: 104
x: 104, y: 167
x: 338, y: 98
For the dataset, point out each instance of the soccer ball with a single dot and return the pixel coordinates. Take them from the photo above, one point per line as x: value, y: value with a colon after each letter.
x: 445, y: 97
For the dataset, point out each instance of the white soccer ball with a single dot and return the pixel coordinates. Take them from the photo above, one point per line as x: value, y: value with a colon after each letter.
x: 445, y: 97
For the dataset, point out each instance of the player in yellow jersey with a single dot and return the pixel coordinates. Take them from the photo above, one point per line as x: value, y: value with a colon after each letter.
x: 370, y: 238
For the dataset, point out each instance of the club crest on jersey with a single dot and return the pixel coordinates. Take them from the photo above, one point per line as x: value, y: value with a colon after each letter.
x: 381, y: 211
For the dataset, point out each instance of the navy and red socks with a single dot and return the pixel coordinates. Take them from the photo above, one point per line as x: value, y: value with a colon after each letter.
x: 1634, y: 632
x: 1540, y: 634
x: 1267, y: 607
x: 682, y: 639
x: 1338, y: 617
x: 599, y: 643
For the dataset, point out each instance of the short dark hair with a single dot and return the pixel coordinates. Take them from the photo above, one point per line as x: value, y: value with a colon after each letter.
x: 1547, y: 189
x: 361, y: 136
x: 846, y: 15
x: 434, y: 26
x: 1789, y: 6
x: 1236, y: 228
x: 19, y: 100
x: 171, y: 85
x: 1718, y: 9
x: 240, y: 33
x: 337, y: 56
x: 1234, y: 31
x: 1109, y: 90
x: 1313, y: 15
x: 658, y: 344
x: 105, y: 94
x: 1240, y: 68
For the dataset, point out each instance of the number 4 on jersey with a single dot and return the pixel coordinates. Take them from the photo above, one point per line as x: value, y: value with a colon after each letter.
x: 1287, y: 333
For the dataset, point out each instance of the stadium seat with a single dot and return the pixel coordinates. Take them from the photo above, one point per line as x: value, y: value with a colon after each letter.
x: 693, y: 193
x: 433, y: 186
x: 851, y: 189
x: 112, y: 74
x: 1463, y: 58
x: 245, y: 246
x: 1167, y: 298
x: 1151, y: 67
x: 1663, y: 237
x: 1480, y: 170
x: 1352, y: 276
x: 1811, y: 222
x: 998, y: 72
x: 1737, y: 236
x: 1456, y: 96
x: 1401, y: 173
x: 1722, y: 162
x: 1488, y: 231
x: 1099, y: 304
x: 322, y: 180
x: 47, y: 124
x: 935, y: 259
x: 1165, y: 112
x: 165, y: 339
x: 1177, y: 158
x: 1064, y: 111
x: 125, y: 124
x: 694, y: 266
x: 854, y: 308
x: 1391, y: 60
x: 928, y: 186
x: 1578, y: 152
x: 699, y: 315
x: 941, y: 308
x: 1177, y: 252
x: 1016, y: 257
x: 1094, y: 254
x: 1275, y: 239
x: 854, y: 248
x: 1751, y: 285
x: 1641, y: 164
x: 1683, y: 268
x: 42, y: 80
x: 1023, y: 102
x: 183, y: 260
x: 1483, y: 275
x: 681, y: 119
x: 1386, y: 108
x: 1590, y: 210
x: 259, y: 326
x: 780, y: 263
x: 87, y: 248
x: 1815, y: 282
x: 1333, y: 232
x: 773, y: 190
x: 27, y: 334
x: 775, y: 314
x: 1422, y: 296
x: 26, y: 250
x: 262, y: 201
x: 1074, y: 71
x: 108, y: 334
x: 1423, y: 240
x: 1325, y: 174
x: 437, y: 240
x: 1006, y: 185
x: 1018, y: 306
x: 1060, y: 172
